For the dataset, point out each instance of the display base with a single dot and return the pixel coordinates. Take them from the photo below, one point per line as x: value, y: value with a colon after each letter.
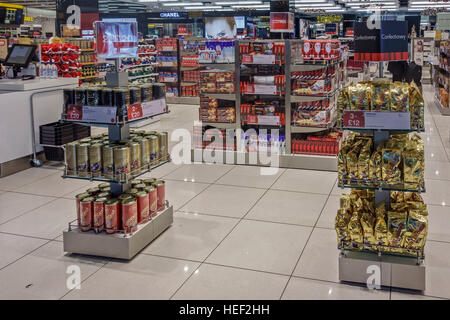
x: 444, y: 111
x: 117, y: 245
x: 397, y: 272
x: 288, y: 161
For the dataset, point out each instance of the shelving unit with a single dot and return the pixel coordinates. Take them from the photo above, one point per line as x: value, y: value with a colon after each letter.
x: 119, y: 245
x: 407, y: 272
x: 442, y: 79
x: 287, y: 159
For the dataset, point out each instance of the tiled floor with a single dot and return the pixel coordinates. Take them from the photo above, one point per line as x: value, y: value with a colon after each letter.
x: 237, y: 234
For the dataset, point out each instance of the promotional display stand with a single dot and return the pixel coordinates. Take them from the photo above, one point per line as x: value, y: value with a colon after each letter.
x: 121, y: 245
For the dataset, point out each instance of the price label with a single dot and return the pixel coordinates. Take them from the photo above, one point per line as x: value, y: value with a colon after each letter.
x: 74, y: 113
x: 154, y: 107
x: 264, y: 59
x: 265, y: 89
x: 353, y: 119
x: 168, y: 48
x: 269, y: 120
x: 246, y: 58
x: 134, y: 112
x: 252, y: 119
x: 92, y: 114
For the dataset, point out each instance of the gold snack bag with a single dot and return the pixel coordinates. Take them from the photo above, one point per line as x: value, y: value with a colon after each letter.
x: 413, y: 169
x: 354, y: 229
x: 343, y: 103
x: 341, y: 224
x: 391, y: 165
x: 367, y: 224
x: 396, y: 228
x: 417, y: 104
x: 352, y: 160
x: 375, y: 165
x: 380, y: 229
x: 364, y: 162
x: 399, y: 95
x: 381, y: 96
x: 342, y: 164
x: 416, y: 230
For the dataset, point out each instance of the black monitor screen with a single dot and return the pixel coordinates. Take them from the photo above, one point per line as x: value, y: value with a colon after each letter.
x: 20, y: 55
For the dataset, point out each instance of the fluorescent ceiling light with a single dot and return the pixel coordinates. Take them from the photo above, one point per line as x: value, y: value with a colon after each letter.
x: 182, y: 4
x: 430, y: 6
x: 309, y: 1
x: 325, y: 8
x: 253, y: 6
x: 358, y: 4
x: 148, y: 0
x: 383, y: 7
x: 315, y: 5
x: 427, y: 2
x: 238, y: 2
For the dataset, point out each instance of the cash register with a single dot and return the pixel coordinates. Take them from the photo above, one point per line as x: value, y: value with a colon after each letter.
x: 19, y: 57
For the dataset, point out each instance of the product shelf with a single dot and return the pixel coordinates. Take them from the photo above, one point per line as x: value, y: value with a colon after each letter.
x: 144, y: 76
x: 443, y: 110
x: 122, y: 179
x: 404, y: 187
x: 305, y: 129
x: 381, y: 250
x: 220, y: 125
x: 118, y: 245
x: 220, y: 66
x: 220, y: 96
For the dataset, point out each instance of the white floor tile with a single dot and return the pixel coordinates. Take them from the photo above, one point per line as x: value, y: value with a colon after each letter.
x: 437, y: 170
x: 306, y: 181
x: 179, y: 192
x: 224, y: 201
x: 262, y: 246
x: 161, y: 171
x: 71, y: 195
x: 437, y: 260
x: 211, y: 282
x: 247, y: 176
x: 22, y: 178
x: 305, y: 289
x: 337, y: 191
x: 14, y: 247
x: 439, y: 223
x: 328, y: 215
x: 396, y: 295
x: 45, y: 222
x: 207, y: 173
x: 54, y: 186
x: 319, y: 260
x: 43, y: 273
x: 143, y: 278
x: 437, y: 192
x: 192, y: 236
x: 283, y: 207
x: 14, y: 204
x: 435, y: 154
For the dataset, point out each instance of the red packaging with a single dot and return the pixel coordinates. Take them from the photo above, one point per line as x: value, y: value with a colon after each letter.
x: 143, y: 206
x: 129, y: 215
x: 153, y: 200
x: 161, y: 193
x: 99, y: 214
x: 112, y: 216
x: 86, y: 216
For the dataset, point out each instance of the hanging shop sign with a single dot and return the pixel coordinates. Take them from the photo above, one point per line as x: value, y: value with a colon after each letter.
x: 281, y: 22
x: 116, y: 39
x: 389, y: 42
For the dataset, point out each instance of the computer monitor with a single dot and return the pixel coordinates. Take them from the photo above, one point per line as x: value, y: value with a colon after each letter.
x: 20, y: 55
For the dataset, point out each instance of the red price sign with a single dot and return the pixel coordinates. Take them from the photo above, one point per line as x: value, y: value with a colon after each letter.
x: 134, y: 112
x: 353, y: 119
x: 247, y: 58
x: 74, y: 113
x: 252, y: 119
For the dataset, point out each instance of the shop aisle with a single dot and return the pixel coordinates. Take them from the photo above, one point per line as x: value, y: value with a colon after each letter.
x: 237, y: 234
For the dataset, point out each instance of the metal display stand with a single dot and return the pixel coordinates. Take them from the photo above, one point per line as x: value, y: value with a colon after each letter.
x: 287, y: 160
x: 405, y: 272
x: 119, y: 245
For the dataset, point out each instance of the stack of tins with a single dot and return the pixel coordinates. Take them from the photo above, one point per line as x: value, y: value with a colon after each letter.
x: 97, y: 210
x: 98, y: 157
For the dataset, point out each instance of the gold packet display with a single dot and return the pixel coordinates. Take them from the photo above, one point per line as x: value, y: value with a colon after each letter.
x: 360, y: 96
x: 341, y: 225
x: 354, y: 229
x: 343, y: 103
x: 367, y: 224
x: 416, y: 230
x: 364, y: 162
x: 342, y: 163
x: 399, y: 95
x: 413, y: 169
x: 380, y: 229
x: 381, y: 96
x: 416, y: 104
x: 375, y: 172
x: 391, y: 161
x: 352, y: 160
x: 396, y: 229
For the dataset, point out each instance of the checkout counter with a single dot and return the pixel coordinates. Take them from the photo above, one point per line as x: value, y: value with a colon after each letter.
x: 16, y: 117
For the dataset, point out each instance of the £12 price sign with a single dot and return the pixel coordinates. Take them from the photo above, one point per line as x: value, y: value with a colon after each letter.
x: 353, y: 119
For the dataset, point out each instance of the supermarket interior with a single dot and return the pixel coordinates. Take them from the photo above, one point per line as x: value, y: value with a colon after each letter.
x: 225, y: 150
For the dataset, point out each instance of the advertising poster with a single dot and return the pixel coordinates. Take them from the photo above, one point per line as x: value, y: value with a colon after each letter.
x: 220, y: 27
x: 281, y: 22
x: 116, y: 39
